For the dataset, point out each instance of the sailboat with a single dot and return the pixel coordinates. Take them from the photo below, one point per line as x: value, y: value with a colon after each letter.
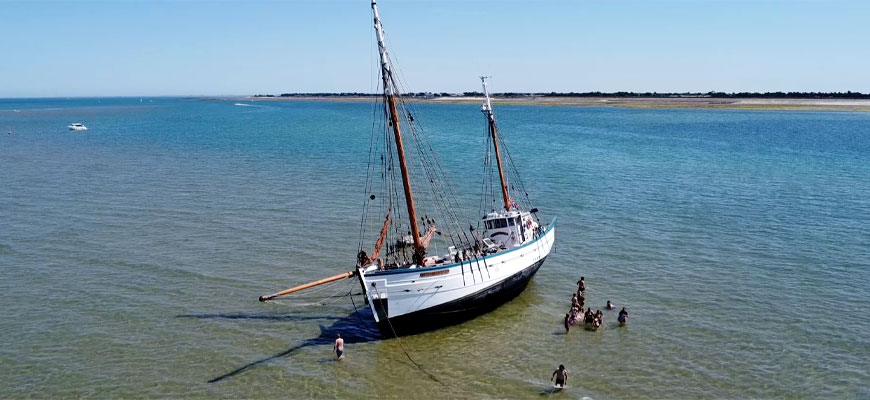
x: 426, y: 270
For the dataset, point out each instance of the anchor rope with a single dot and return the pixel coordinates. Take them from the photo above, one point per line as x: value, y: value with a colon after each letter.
x: 399, y: 341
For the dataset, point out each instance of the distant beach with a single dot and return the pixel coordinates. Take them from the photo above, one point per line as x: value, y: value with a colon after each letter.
x: 860, y: 105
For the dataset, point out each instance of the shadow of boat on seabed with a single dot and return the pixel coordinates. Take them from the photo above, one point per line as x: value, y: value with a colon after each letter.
x: 357, y: 327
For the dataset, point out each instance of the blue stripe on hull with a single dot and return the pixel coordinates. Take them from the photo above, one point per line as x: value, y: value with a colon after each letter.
x: 462, y: 309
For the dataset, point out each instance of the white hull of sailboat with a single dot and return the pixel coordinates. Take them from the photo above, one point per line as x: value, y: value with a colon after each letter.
x: 436, y: 296
x: 438, y: 290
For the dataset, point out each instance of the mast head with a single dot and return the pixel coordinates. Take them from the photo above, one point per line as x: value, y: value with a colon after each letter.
x: 486, y: 108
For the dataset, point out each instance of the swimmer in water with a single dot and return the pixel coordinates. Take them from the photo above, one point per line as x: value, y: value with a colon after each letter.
x: 561, y: 376
x: 567, y: 322
x: 338, y: 348
x: 609, y: 305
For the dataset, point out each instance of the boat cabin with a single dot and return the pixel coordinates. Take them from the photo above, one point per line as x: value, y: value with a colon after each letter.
x: 508, y: 229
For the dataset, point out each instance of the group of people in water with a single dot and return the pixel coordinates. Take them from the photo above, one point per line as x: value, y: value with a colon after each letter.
x: 591, y: 320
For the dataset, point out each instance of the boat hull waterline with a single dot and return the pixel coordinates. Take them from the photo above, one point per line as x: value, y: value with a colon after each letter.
x: 413, y: 300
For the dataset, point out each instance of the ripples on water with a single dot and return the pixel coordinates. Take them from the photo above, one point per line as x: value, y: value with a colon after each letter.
x: 132, y: 254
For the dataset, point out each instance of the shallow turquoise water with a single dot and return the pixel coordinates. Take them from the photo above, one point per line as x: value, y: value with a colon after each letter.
x: 132, y: 254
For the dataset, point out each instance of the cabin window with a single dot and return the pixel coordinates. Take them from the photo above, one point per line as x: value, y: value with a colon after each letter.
x: 497, y: 223
x: 511, y: 222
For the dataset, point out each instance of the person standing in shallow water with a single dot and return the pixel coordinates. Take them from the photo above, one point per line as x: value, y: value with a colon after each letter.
x: 338, y: 347
x: 561, y: 376
x: 581, y: 286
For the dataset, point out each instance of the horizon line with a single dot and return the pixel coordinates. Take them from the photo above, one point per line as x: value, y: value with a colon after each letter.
x: 742, y: 94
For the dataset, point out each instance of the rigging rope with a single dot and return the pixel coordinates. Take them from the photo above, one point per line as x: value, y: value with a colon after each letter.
x: 399, y: 341
x: 437, y: 206
x: 518, y: 191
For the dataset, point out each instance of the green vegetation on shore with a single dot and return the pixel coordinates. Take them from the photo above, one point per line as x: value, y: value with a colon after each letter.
x: 713, y: 95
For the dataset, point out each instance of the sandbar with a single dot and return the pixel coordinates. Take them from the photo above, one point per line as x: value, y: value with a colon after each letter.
x: 859, y: 105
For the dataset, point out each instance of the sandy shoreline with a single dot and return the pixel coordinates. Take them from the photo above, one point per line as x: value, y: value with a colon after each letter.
x: 633, y: 102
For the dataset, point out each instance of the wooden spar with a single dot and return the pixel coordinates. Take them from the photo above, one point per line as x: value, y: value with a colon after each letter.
x: 347, y: 274
x: 504, y: 191
x: 380, y: 242
x: 406, y: 182
x: 428, y: 236
x: 487, y: 109
x: 386, y: 76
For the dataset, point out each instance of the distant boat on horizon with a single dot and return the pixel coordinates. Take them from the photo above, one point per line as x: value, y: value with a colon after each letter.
x: 77, y: 127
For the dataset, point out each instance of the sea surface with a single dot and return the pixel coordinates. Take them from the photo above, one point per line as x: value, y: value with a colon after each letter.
x: 132, y: 254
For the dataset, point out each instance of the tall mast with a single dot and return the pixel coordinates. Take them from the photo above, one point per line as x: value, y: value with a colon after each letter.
x: 386, y: 75
x: 486, y: 108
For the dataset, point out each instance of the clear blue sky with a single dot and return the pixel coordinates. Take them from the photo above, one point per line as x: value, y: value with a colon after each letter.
x: 140, y: 48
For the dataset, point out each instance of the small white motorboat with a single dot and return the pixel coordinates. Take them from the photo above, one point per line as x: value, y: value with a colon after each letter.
x: 77, y: 127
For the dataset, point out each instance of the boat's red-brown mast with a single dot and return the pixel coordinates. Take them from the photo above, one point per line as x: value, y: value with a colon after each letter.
x: 419, y: 247
x: 490, y: 119
x: 390, y: 96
